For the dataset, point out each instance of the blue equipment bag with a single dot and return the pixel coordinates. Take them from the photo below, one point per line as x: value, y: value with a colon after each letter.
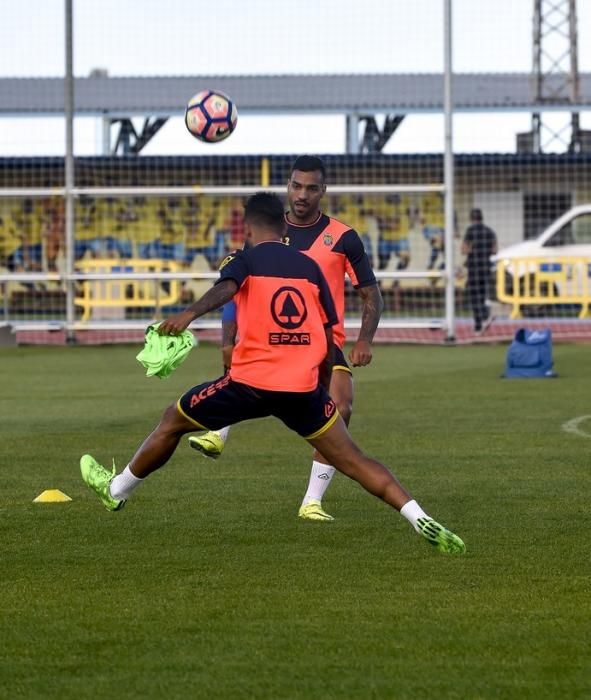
x: 530, y: 354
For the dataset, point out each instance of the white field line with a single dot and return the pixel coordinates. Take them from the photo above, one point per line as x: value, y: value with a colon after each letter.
x: 573, y: 426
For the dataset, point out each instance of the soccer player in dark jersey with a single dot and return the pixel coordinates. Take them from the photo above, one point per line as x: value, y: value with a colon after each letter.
x: 281, y: 366
x: 339, y: 251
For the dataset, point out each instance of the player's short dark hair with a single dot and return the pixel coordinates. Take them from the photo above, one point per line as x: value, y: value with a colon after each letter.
x: 308, y: 164
x: 476, y: 214
x: 265, y: 209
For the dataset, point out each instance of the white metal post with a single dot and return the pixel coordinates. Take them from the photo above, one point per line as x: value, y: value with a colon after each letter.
x: 448, y: 176
x: 352, y: 133
x: 69, y: 169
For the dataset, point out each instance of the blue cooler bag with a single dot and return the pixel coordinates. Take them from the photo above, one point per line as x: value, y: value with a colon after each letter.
x: 530, y: 354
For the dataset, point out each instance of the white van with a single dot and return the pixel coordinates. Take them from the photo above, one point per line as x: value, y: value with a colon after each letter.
x: 566, y: 276
x: 569, y: 235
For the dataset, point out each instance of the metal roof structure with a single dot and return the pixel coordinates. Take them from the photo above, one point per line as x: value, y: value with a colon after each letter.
x: 288, y: 94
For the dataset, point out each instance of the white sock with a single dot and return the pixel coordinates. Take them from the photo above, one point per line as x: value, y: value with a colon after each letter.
x: 123, y: 484
x: 320, y: 478
x: 223, y: 433
x: 412, y: 511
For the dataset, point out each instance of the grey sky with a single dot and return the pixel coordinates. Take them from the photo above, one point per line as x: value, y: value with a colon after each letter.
x: 148, y: 37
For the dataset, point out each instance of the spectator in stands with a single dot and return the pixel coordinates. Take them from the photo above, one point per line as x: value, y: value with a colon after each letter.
x: 198, y: 228
x: 334, y: 207
x: 432, y: 222
x: 10, y: 240
x: 127, y: 220
x: 236, y: 224
x: 86, y: 223
x: 356, y: 214
x: 147, y: 232
x: 105, y: 244
x: 171, y: 242
x: 220, y: 223
x: 28, y: 221
x: 53, y: 230
x: 208, y: 230
x: 391, y: 213
x: 480, y: 242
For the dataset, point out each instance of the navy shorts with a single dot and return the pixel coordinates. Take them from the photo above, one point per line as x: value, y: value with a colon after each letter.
x: 339, y: 360
x: 216, y: 404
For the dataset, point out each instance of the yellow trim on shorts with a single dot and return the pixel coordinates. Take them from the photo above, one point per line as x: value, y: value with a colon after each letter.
x: 342, y: 368
x: 325, y: 427
x: 180, y: 410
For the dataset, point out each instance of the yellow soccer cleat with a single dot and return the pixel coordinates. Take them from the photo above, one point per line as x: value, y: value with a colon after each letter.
x: 99, y: 479
x: 313, y: 511
x: 440, y: 537
x: 209, y: 444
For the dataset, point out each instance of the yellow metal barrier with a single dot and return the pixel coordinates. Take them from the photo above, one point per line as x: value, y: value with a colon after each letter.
x: 544, y: 281
x: 109, y: 298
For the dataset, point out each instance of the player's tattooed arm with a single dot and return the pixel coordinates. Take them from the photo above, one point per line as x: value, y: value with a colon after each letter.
x: 373, y: 305
x: 229, y: 332
x: 215, y: 297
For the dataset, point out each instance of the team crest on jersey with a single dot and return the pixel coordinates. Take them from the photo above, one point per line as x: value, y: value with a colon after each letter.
x: 327, y: 239
x: 226, y: 260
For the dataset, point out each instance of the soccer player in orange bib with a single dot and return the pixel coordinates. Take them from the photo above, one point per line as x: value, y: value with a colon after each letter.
x: 285, y: 316
x: 339, y: 251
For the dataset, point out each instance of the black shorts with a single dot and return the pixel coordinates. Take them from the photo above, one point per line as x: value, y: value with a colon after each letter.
x: 214, y: 405
x: 339, y: 360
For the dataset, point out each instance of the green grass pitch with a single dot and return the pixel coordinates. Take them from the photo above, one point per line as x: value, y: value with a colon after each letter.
x: 207, y: 585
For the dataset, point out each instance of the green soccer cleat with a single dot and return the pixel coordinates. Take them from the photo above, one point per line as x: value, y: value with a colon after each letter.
x: 313, y: 511
x: 210, y: 444
x: 98, y: 479
x: 440, y: 537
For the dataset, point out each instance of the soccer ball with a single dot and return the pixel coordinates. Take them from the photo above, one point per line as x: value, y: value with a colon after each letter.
x: 211, y: 116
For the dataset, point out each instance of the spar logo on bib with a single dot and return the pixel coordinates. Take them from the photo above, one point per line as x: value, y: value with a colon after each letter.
x: 288, y: 309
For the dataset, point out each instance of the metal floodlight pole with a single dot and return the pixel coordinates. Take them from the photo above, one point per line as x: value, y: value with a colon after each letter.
x: 448, y: 176
x: 69, y: 169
